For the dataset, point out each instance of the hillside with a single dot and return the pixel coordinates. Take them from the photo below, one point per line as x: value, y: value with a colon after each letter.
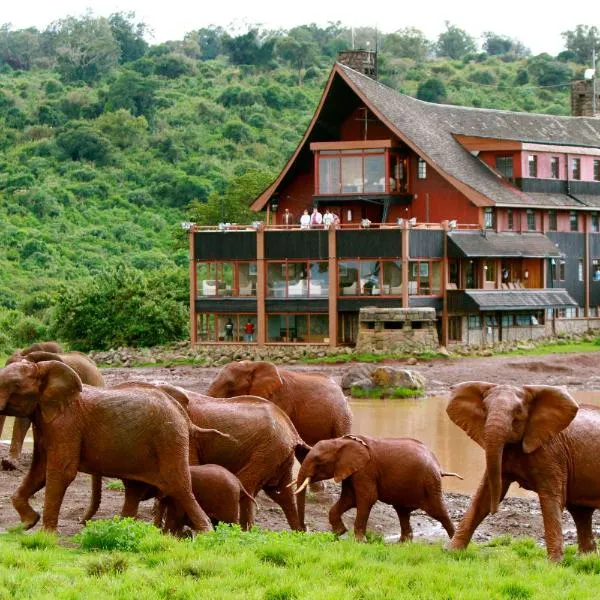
x: 100, y: 163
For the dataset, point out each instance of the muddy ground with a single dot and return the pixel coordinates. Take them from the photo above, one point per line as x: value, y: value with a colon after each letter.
x: 517, y: 516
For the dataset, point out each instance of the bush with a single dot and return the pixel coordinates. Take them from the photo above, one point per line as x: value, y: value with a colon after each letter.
x: 432, y: 90
x: 173, y: 66
x: 237, y: 132
x: 126, y: 535
x: 81, y: 142
x: 484, y: 77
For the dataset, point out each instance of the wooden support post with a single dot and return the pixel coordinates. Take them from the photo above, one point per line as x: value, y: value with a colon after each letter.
x: 333, y: 287
x: 404, y: 253
x: 586, y: 264
x: 498, y: 273
x: 261, y: 286
x: 193, y: 287
x: 445, y: 270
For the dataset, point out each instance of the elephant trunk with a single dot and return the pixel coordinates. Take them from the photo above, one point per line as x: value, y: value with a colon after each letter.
x: 496, y: 433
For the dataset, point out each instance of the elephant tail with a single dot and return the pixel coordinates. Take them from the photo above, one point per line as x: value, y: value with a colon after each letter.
x: 444, y: 474
x: 248, y: 495
x: 199, y: 432
x: 301, y: 450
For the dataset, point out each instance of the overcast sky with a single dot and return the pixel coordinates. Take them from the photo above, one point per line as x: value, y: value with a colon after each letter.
x: 538, y: 25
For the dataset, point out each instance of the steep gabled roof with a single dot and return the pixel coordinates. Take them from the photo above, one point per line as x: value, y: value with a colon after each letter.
x: 430, y: 130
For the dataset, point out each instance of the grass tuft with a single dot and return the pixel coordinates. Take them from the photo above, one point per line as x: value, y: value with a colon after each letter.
x: 128, y: 535
x: 115, y: 485
x: 40, y: 540
x: 382, y: 393
x: 107, y: 565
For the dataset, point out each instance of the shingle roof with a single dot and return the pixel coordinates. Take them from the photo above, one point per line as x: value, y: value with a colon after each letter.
x: 499, y: 245
x: 476, y: 300
x: 589, y: 200
x: 432, y: 127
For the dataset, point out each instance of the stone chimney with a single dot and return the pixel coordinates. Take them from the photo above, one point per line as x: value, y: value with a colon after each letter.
x: 582, y: 93
x: 363, y: 61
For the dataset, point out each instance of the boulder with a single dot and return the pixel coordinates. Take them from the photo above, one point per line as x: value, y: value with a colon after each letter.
x: 392, y: 377
x: 355, y: 373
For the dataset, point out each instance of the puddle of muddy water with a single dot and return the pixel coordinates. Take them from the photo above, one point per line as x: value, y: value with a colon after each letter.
x: 426, y: 420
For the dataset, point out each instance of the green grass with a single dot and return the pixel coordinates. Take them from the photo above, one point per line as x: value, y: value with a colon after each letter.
x: 370, y: 357
x: 558, y: 346
x: 115, y: 485
x: 379, y: 392
x: 230, y: 564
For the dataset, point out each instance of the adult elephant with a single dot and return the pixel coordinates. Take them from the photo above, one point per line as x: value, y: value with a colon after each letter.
x: 539, y: 437
x: 84, y: 366
x: 315, y: 403
x: 260, y: 449
x: 138, y: 434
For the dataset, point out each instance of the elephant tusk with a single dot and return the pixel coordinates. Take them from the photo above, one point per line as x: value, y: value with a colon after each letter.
x: 291, y: 484
x: 304, y: 484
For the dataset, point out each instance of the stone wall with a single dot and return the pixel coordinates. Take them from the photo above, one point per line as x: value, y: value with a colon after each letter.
x: 397, y: 330
x: 576, y: 326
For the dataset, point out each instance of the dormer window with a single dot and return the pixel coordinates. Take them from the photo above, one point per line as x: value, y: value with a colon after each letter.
x: 504, y: 165
x: 370, y: 167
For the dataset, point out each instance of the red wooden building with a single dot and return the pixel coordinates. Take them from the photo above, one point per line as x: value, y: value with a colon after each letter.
x: 490, y: 217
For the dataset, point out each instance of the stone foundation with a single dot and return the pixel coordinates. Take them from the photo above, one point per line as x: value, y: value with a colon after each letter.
x: 397, y: 330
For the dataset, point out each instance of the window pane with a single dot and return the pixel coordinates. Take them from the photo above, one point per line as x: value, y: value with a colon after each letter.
x: 504, y: 164
x: 297, y: 279
x: 348, y: 279
x: 247, y: 327
x: 554, y: 167
x: 352, y: 176
x: 277, y: 328
x: 375, y: 173
x: 421, y: 169
x: 576, y: 168
x: 552, y: 220
x: 329, y: 175
x: 297, y: 328
x: 319, y: 279
x: 392, y: 277
x: 436, y: 278
x: 413, y: 272
x: 424, y: 288
x: 276, y: 276
x: 247, y: 279
x: 207, y: 279
x: 319, y: 328
x: 490, y: 271
x: 533, y: 165
x: 369, y: 278
x: 530, y: 220
x: 573, y: 220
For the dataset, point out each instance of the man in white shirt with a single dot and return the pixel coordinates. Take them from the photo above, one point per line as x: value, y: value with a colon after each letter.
x: 316, y: 218
x: 305, y: 220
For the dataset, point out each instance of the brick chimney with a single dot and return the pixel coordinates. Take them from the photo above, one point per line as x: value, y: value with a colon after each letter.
x: 363, y: 61
x: 582, y: 93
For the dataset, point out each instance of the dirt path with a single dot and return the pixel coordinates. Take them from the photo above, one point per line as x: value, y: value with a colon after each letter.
x: 517, y: 516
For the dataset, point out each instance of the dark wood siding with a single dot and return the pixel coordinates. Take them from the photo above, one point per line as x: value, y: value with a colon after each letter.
x: 296, y: 244
x: 572, y: 246
x: 369, y: 243
x: 354, y: 304
x: 225, y: 245
x: 425, y: 243
x: 297, y: 305
x: 594, y: 254
x: 225, y: 305
x: 426, y: 303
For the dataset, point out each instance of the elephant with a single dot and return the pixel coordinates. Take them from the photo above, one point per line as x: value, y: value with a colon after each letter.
x: 539, y: 437
x: 218, y: 491
x: 138, y: 434
x: 260, y: 449
x: 84, y: 366
x: 315, y: 403
x: 402, y: 472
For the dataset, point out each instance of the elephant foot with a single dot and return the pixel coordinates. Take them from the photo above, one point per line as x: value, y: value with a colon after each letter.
x: 454, y: 546
x: 9, y: 464
x: 406, y: 538
x: 556, y: 557
x: 588, y: 548
x: 339, y: 530
x: 29, y: 524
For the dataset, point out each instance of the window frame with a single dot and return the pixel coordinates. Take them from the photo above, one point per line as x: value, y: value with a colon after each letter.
x: 596, y: 170
x: 269, y: 293
x: 532, y: 161
x: 287, y: 327
x: 573, y: 221
x: 421, y: 168
x: 531, y: 225
x: 576, y: 168
x: 238, y: 316
x: 552, y: 220
x: 554, y: 172
x: 234, y: 290
x: 430, y: 286
x: 501, y: 164
x: 510, y: 219
x: 489, y: 218
x: 595, y: 222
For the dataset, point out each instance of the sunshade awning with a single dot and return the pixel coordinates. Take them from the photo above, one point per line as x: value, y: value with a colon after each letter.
x: 492, y: 300
x: 469, y: 244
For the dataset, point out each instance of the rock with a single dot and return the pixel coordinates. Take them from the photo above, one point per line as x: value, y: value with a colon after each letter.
x: 443, y: 351
x: 412, y: 361
x: 363, y: 384
x: 356, y: 373
x: 392, y: 377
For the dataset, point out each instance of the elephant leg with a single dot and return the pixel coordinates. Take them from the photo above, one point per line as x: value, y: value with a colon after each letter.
x: 365, y: 498
x: 158, y: 512
x: 58, y: 478
x: 20, y: 428
x: 477, y: 511
x: 552, y: 515
x: 284, y: 496
x: 406, y: 532
x: 174, y: 517
x: 34, y: 480
x: 135, y: 492
x: 94, y: 504
x: 249, y: 482
x: 345, y: 502
x: 189, y: 505
x: 582, y: 515
x: 435, y: 508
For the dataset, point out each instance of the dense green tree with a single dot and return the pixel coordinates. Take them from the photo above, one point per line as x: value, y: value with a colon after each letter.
x: 298, y: 53
x: 173, y: 65
x: 123, y: 129
x: 80, y: 141
x: 250, y: 48
x: 432, y: 90
x: 495, y: 44
x: 581, y: 41
x: 454, y: 42
x: 549, y: 72
x: 206, y: 43
x: 19, y: 49
x: 128, y: 35
x: 133, y: 92
x: 408, y: 42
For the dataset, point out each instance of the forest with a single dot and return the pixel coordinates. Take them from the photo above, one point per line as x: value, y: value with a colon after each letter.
x: 108, y: 143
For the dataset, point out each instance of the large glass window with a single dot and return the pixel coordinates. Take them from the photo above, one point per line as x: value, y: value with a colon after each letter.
x: 226, y: 278
x: 298, y: 328
x: 353, y: 172
x: 489, y: 268
x: 375, y: 174
x: 329, y: 175
x: 504, y: 165
x: 297, y: 279
x: 235, y: 328
x: 424, y: 277
x: 392, y: 277
x: 318, y: 284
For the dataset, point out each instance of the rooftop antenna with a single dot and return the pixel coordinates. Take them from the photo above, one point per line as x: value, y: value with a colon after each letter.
x: 591, y: 74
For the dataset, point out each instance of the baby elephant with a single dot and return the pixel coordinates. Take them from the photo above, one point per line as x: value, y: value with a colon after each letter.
x: 399, y: 471
x: 217, y: 490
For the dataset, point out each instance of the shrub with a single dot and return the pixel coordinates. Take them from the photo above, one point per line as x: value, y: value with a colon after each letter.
x: 432, y: 90
x: 107, y: 565
x: 173, y: 66
x: 126, y: 535
x: 40, y: 540
x: 79, y: 141
x: 237, y: 132
x: 484, y: 77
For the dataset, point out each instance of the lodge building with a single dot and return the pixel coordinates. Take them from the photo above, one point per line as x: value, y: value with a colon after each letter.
x: 489, y: 217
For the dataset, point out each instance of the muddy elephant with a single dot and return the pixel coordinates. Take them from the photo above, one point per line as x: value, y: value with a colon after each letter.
x: 539, y: 437
x: 315, y: 403
x: 260, y: 449
x: 218, y: 491
x: 84, y: 366
x: 399, y: 471
x: 142, y: 435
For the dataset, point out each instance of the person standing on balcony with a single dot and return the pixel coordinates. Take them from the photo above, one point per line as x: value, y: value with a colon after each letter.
x: 288, y: 217
x: 229, y: 331
x: 249, y: 331
x: 328, y: 219
x: 305, y: 220
x: 316, y: 219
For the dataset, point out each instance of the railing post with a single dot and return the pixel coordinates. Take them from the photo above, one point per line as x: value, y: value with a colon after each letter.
x: 404, y: 253
x: 444, y: 340
x: 193, y: 287
x: 586, y: 263
x: 261, y: 284
x: 333, y: 286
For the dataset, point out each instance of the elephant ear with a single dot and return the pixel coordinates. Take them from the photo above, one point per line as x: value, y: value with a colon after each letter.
x: 40, y: 356
x: 176, y: 393
x: 58, y: 386
x: 352, y: 456
x: 467, y: 410
x: 265, y: 380
x: 551, y: 410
